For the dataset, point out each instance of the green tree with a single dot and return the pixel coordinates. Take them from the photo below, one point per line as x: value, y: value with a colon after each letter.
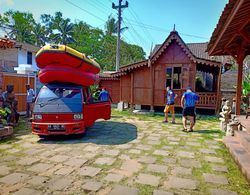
x: 19, y: 25
x: 111, y: 26
x: 39, y: 34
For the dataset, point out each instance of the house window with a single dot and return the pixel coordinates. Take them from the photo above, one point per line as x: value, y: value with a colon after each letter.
x: 29, y: 57
x: 173, y: 77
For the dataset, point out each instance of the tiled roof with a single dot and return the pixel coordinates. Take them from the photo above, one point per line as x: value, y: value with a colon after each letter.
x: 6, y: 43
x: 223, y: 18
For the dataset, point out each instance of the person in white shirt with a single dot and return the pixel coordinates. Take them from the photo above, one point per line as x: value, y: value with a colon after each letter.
x: 29, y: 100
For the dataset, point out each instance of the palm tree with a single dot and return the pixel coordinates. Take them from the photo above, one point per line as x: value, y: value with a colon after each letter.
x: 64, y: 32
x: 39, y: 34
x: 111, y: 26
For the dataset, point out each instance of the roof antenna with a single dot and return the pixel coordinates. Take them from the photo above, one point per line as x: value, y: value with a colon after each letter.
x: 174, y: 27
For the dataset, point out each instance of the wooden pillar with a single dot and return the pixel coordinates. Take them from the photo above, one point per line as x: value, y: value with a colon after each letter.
x: 152, y: 88
x: 239, y: 86
x: 132, y: 91
x: 218, y: 98
x: 120, y: 98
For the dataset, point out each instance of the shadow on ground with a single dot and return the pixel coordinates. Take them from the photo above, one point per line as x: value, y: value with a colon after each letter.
x: 207, y: 131
x: 102, y: 133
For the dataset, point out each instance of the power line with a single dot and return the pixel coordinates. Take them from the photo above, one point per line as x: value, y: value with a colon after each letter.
x: 85, y: 11
x: 133, y: 13
x: 140, y: 38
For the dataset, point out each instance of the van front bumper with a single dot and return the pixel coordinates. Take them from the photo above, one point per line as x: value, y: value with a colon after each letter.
x: 40, y: 128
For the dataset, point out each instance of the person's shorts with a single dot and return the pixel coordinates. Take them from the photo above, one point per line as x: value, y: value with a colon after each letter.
x: 169, y: 108
x: 189, y: 111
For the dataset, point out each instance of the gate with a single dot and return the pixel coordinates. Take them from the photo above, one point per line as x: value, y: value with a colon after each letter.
x: 19, y: 82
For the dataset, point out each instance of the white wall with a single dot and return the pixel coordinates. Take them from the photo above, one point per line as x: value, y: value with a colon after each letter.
x: 22, y: 58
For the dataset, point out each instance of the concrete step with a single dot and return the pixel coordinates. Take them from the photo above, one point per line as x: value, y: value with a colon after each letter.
x: 239, y: 153
x: 244, y: 138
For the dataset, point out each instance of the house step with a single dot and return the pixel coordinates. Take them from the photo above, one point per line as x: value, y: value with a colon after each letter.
x: 239, y: 153
x: 244, y: 138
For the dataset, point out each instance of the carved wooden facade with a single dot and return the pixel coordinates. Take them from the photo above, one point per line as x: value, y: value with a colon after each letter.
x: 174, y: 64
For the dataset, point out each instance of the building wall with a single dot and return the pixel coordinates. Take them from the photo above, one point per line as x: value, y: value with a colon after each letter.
x: 126, y: 88
x: 113, y: 87
x: 173, y: 56
x: 228, y: 84
x: 142, y: 86
x: 8, y: 58
x: 22, y: 57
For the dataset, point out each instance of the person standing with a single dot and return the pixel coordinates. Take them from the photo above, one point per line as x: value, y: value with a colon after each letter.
x: 170, y: 98
x: 104, y: 95
x: 29, y: 100
x: 188, y: 101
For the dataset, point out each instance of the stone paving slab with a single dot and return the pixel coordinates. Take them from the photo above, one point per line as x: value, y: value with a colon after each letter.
x: 114, y: 177
x: 170, y: 160
x: 124, y: 190
x: 216, y: 179
x: 131, y: 166
x: 214, y: 159
x: 59, y: 184
x: 148, y: 179
x: 14, y: 178
x: 181, y: 171
x: 111, y: 152
x: 222, y: 192
x: 27, y: 161
x: 38, y: 180
x: 157, y: 168
x: 219, y: 168
x: 75, y: 162
x: 160, y: 192
x: 89, y: 171
x: 64, y: 171
x: 180, y: 183
x: 59, y: 158
x: 147, y: 159
x: 185, y: 154
x: 104, y: 161
x: 27, y: 191
x: 161, y: 153
x: 92, y: 186
x: 190, y: 163
x: 40, y: 167
x: 4, y: 170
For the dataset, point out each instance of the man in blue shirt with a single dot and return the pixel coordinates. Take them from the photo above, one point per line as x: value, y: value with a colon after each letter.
x: 169, y: 105
x: 188, y: 102
x: 104, y: 95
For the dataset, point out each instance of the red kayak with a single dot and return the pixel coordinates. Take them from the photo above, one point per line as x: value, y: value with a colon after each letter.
x: 54, y: 73
x: 61, y: 55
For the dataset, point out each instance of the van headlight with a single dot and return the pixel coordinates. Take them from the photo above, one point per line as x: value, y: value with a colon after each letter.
x: 38, y: 117
x: 77, y: 116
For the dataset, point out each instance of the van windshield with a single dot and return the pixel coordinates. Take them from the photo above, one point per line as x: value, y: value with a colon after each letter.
x: 59, y: 99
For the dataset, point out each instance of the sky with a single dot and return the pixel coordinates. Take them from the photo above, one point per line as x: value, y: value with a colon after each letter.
x: 149, y: 22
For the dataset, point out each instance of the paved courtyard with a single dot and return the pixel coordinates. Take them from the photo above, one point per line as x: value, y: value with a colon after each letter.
x: 127, y: 155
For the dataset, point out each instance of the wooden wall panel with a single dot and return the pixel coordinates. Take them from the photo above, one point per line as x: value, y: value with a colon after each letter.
x: 19, y: 82
x: 113, y: 87
x: 174, y: 54
x: 126, y: 88
x: 142, y: 96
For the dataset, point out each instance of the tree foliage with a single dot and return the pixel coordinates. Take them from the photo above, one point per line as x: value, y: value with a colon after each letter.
x: 97, y: 43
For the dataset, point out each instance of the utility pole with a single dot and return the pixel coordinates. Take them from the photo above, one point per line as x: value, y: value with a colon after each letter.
x: 119, y: 7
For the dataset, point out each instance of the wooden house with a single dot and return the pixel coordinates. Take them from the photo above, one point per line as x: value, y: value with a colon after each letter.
x: 173, y: 63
